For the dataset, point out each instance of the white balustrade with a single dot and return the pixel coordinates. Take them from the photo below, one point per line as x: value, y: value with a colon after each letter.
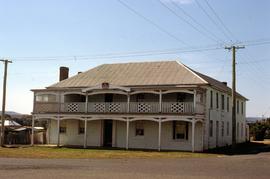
x: 73, y: 107
x: 107, y: 107
x: 119, y: 107
x: 46, y: 107
x: 177, y: 107
x: 144, y: 107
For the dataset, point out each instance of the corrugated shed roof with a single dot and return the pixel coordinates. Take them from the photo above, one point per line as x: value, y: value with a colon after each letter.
x: 134, y: 74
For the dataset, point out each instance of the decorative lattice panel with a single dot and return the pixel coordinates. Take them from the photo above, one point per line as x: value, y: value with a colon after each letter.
x: 177, y: 107
x: 99, y: 107
x: 72, y: 107
x: 114, y: 107
x: 142, y: 107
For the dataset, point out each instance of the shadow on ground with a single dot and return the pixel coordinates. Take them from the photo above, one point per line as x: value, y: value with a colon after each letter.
x: 254, y: 147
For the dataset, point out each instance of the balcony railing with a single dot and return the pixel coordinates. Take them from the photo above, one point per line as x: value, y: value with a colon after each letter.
x: 116, y: 107
x: 177, y: 107
x: 106, y: 107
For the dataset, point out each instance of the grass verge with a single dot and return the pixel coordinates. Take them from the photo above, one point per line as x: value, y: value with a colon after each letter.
x: 71, y: 153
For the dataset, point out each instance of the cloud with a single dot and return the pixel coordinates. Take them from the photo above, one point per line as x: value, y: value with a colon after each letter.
x: 179, y: 1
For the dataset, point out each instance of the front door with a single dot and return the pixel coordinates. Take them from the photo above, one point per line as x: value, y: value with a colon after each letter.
x: 107, y: 133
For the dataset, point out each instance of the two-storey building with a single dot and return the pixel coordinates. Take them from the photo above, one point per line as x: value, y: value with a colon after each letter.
x: 150, y: 105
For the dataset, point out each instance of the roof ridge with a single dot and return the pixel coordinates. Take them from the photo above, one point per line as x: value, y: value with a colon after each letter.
x: 134, y: 62
x: 193, y: 72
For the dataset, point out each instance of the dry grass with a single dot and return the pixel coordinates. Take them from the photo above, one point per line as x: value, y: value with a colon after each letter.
x: 53, y: 152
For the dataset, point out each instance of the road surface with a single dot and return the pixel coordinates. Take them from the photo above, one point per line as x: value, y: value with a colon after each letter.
x: 240, y: 166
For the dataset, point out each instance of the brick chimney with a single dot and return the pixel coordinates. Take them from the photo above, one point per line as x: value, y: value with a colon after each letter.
x: 225, y: 83
x: 63, y: 73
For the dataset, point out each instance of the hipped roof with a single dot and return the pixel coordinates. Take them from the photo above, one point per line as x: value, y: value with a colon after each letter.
x: 141, y: 74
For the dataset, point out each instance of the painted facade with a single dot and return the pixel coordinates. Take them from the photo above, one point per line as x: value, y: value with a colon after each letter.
x: 187, y: 117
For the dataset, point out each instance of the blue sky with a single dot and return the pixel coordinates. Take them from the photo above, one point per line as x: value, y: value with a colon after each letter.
x: 39, y: 36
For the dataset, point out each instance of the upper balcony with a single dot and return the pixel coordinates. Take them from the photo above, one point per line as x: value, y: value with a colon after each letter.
x: 186, y: 102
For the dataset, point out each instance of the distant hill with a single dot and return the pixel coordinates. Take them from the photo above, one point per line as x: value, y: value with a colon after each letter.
x: 253, y: 119
x: 12, y: 113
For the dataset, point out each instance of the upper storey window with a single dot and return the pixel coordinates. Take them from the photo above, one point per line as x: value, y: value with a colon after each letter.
x: 217, y: 101
x: 46, y: 98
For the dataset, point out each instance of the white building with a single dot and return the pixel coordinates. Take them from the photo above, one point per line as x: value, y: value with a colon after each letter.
x: 150, y: 105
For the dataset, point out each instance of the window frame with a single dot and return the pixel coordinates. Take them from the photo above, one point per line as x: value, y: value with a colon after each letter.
x: 80, y: 127
x: 185, y: 132
x: 242, y: 107
x: 211, y: 99
x: 222, y: 101
x: 211, y: 128
x: 139, y: 129
x: 217, y: 100
x: 228, y: 104
x: 228, y: 128
x: 237, y: 106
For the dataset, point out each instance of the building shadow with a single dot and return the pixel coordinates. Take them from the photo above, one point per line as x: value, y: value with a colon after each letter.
x: 253, y: 147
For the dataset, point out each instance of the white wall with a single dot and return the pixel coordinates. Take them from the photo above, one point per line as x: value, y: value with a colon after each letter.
x: 217, y: 114
x: 148, y: 141
x: 72, y: 137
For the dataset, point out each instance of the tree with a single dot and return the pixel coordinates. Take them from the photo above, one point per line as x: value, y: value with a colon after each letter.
x: 260, y: 130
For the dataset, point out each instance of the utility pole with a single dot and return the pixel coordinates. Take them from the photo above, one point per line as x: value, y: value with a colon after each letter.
x: 4, y: 101
x: 234, y: 48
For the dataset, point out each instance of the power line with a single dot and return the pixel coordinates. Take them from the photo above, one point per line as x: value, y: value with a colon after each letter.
x: 151, y: 22
x: 195, y: 21
x: 187, y: 22
x: 219, y: 19
x: 137, y: 54
x: 212, y: 20
x: 131, y: 54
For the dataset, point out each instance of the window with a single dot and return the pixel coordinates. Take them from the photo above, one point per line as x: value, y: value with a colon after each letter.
x: 217, y: 102
x: 45, y: 98
x: 140, y: 97
x: 222, y: 102
x: 211, y: 99
x: 228, y: 128
x: 228, y: 103
x: 180, y: 97
x: 237, y: 107
x: 63, y: 127
x: 237, y: 130
x: 242, y: 130
x: 211, y: 128
x: 80, y: 127
x: 222, y: 128
x: 180, y: 130
x: 242, y: 107
x: 139, y: 129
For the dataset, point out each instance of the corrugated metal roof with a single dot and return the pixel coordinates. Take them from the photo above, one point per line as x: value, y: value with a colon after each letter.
x: 141, y: 74
x: 134, y: 74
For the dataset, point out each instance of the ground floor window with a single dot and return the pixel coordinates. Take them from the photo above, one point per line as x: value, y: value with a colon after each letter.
x: 63, y: 127
x: 222, y: 128
x: 237, y: 130
x: 228, y: 128
x: 211, y: 128
x: 139, y: 128
x: 80, y: 127
x: 180, y: 130
x: 242, y: 130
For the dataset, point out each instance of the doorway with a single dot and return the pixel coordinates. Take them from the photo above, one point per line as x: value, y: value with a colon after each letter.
x: 107, y: 133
